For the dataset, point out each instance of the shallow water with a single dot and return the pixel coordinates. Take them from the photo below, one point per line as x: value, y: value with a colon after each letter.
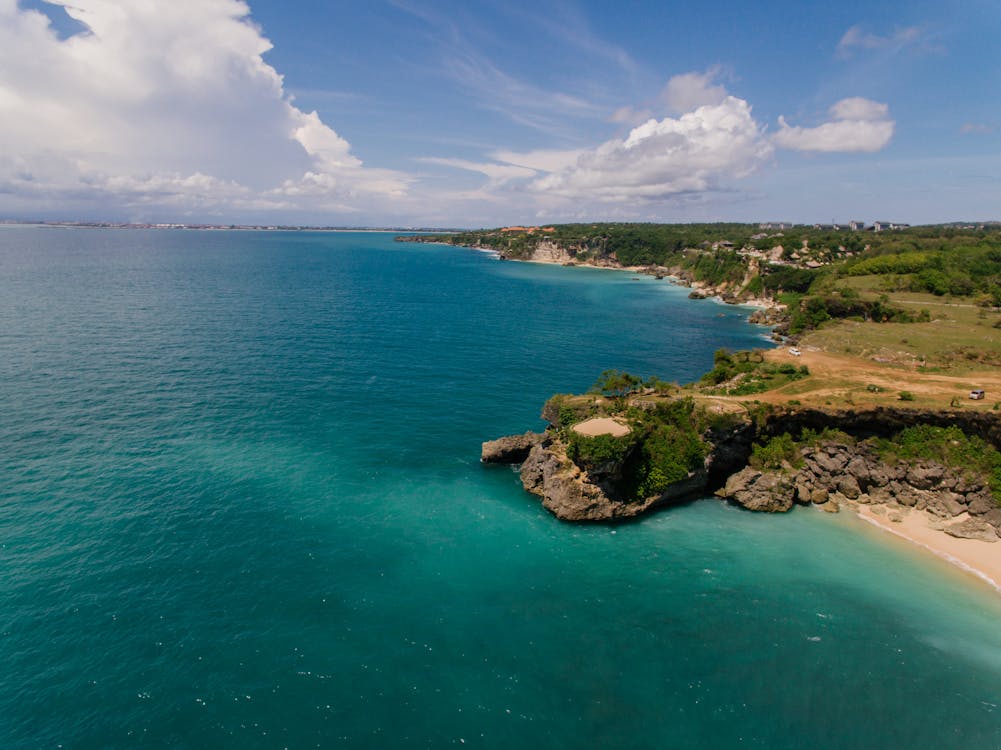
x: 242, y: 507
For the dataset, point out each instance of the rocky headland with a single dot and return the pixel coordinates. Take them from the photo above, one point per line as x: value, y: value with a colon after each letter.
x: 773, y: 461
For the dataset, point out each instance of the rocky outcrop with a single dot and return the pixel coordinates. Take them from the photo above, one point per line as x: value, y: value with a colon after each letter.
x: 770, y: 492
x: 768, y: 316
x: 972, y: 528
x: 829, y: 475
x: 837, y: 474
x: 574, y: 494
x: 509, y: 450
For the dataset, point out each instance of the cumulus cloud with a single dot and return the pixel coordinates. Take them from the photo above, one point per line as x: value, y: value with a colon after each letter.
x: 688, y: 91
x: 715, y: 142
x: 667, y: 157
x: 858, y: 125
x: 630, y: 116
x: 165, y: 101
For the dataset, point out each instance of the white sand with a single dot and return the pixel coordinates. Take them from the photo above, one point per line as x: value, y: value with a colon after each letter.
x: 982, y: 559
x: 602, y: 426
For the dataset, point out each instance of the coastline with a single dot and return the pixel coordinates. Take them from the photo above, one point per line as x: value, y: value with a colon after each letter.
x: 711, y: 294
x: 974, y: 557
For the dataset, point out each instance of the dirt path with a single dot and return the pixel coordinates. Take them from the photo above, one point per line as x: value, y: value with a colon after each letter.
x: 836, y: 376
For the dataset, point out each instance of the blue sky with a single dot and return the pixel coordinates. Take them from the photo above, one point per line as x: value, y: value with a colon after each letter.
x: 417, y: 112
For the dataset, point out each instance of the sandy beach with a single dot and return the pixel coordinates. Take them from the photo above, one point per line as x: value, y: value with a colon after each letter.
x: 982, y: 559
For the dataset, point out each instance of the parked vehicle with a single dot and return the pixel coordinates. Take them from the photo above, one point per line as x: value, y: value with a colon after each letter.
x: 977, y: 394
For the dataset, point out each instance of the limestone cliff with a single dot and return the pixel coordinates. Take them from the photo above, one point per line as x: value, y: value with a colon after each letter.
x: 828, y: 474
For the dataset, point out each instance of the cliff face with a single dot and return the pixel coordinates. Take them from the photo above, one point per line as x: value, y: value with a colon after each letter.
x: 831, y: 475
x: 574, y: 494
x: 881, y: 421
x: 835, y: 475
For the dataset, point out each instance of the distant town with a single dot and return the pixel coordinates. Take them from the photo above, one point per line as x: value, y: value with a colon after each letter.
x: 853, y: 226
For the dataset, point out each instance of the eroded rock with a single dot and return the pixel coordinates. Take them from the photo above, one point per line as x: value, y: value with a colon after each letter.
x: 769, y: 491
x: 513, y: 449
x: 972, y: 528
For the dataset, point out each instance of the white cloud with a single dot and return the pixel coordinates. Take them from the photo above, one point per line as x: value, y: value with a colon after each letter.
x: 166, y: 101
x: 630, y: 116
x: 857, y: 39
x: 497, y: 173
x: 857, y: 108
x: 541, y: 160
x: 859, y: 125
x: 688, y: 91
x: 664, y: 158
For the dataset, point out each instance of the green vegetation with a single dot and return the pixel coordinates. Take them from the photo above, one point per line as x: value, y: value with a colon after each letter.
x: 593, y: 452
x: 812, y: 270
x: 664, y: 446
x: 616, y: 383
x: 565, y: 410
x: 776, y: 454
x: 672, y: 447
x: 743, y: 373
x: 827, y: 435
x: 949, y: 446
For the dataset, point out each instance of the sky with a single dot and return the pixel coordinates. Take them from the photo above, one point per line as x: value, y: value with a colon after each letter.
x: 472, y: 113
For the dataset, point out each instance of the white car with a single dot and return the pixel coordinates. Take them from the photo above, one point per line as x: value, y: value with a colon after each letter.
x: 794, y: 351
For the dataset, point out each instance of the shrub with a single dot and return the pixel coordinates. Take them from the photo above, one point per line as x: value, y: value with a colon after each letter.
x: 590, y: 452
x: 906, y: 396
x: 776, y: 453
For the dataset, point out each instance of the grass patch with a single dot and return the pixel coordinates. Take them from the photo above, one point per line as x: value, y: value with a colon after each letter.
x: 743, y: 373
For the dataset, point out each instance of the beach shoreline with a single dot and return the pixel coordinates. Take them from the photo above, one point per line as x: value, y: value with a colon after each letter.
x: 974, y: 557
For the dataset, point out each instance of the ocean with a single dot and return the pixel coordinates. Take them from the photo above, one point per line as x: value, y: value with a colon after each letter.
x: 241, y: 505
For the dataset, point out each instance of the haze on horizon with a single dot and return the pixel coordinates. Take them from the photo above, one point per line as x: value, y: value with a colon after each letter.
x: 400, y: 112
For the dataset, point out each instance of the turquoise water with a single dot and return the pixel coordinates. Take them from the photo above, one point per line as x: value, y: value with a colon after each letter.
x: 241, y: 506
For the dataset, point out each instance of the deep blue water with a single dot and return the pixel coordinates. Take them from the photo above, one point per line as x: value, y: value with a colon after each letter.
x: 241, y: 506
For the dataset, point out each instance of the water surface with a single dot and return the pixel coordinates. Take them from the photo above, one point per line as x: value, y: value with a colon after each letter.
x: 241, y: 506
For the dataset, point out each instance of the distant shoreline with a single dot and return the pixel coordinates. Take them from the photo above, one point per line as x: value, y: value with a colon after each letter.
x: 222, y: 227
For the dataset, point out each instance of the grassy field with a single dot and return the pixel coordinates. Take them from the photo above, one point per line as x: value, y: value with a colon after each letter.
x: 960, y: 338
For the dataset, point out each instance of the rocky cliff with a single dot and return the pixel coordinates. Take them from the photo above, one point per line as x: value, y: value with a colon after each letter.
x: 828, y: 474
x: 573, y: 493
x: 835, y: 475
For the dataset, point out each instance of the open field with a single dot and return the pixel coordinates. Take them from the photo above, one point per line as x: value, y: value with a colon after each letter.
x: 844, y: 380
x: 961, y: 336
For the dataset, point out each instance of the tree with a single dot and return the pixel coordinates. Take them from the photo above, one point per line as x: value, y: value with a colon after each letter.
x: 616, y: 383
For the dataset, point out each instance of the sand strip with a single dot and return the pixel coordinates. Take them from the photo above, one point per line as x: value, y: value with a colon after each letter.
x: 982, y: 559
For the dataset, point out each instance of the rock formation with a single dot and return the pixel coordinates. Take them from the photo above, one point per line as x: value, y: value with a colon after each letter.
x: 509, y: 450
x: 575, y: 494
x: 837, y: 474
x: 829, y: 474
